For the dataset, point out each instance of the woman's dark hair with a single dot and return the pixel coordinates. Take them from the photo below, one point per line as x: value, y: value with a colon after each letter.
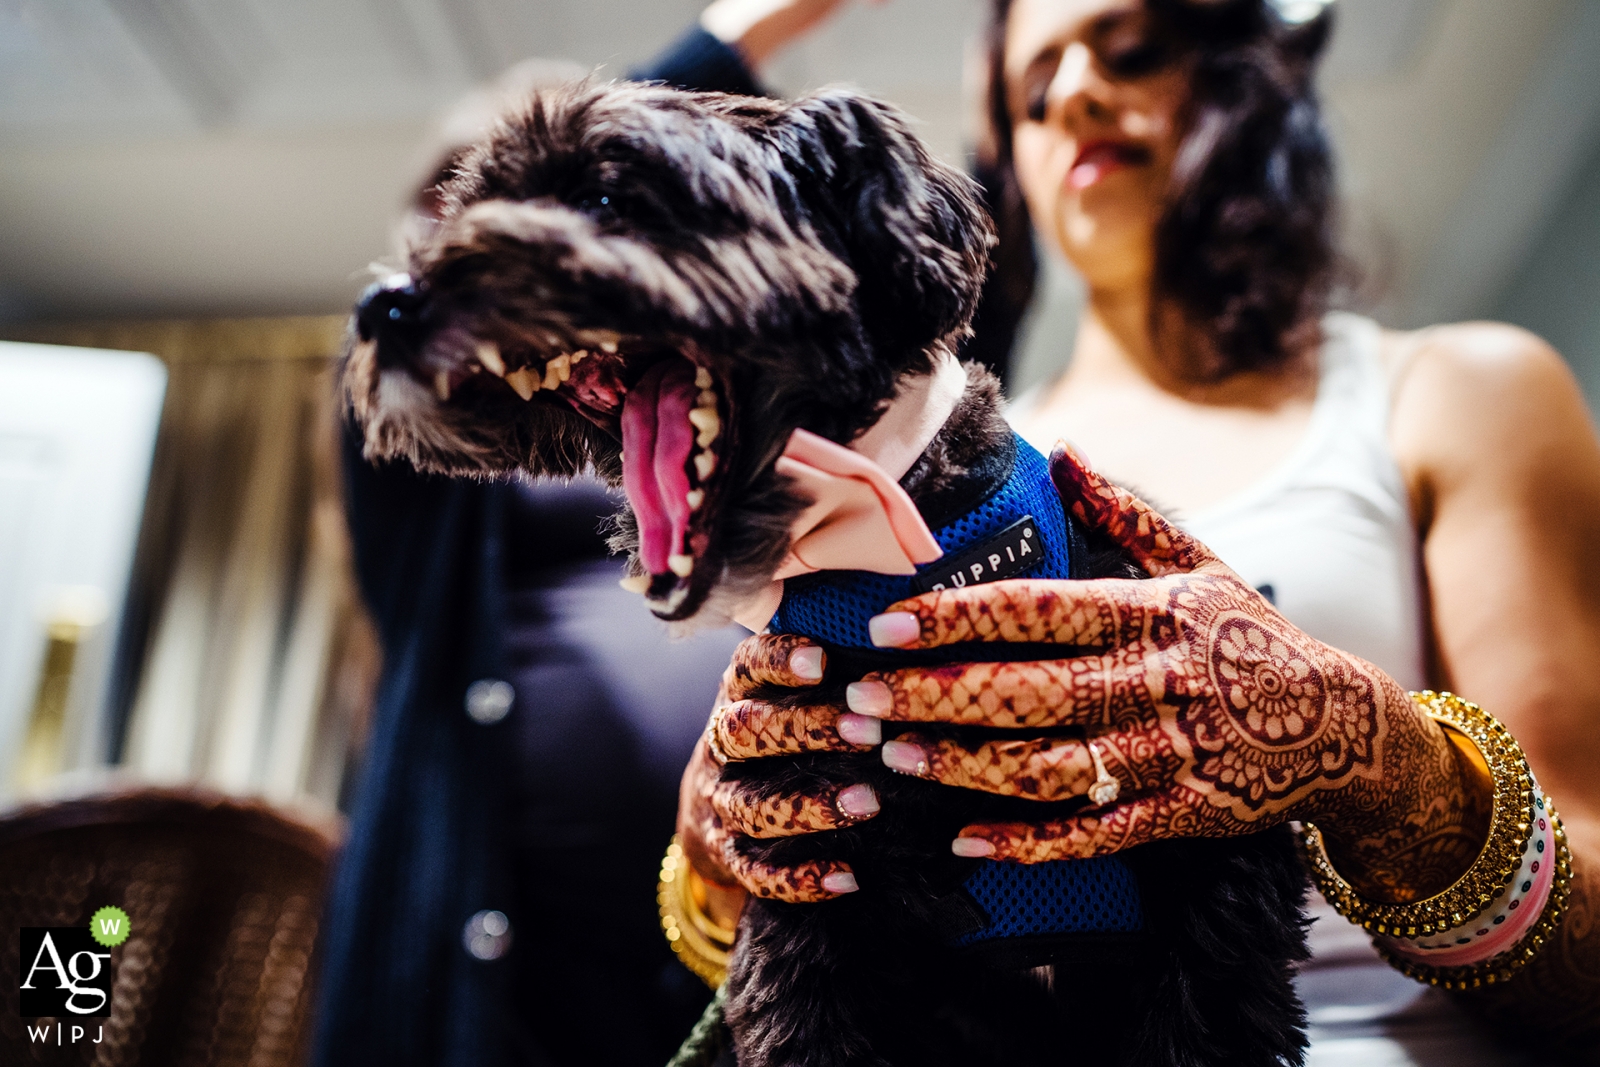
x: 1244, y: 246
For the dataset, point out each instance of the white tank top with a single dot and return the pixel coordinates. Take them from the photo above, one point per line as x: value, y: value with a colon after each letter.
x: 1328, y: 536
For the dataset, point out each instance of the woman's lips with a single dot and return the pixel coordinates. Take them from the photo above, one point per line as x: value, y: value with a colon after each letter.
x: 1096, y: 159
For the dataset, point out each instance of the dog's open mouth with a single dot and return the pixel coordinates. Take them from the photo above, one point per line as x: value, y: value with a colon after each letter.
x: 667, y: 412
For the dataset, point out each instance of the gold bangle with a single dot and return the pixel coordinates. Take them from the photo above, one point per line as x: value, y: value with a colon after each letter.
x: 1500, y: 968
x: 700, y: 943
x: 1510, y: 829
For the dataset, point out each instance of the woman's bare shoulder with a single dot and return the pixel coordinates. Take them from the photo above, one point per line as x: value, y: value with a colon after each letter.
x: 1470, y: 393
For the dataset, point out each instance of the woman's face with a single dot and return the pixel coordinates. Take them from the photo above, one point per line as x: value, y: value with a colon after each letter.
x: 1095, y: 93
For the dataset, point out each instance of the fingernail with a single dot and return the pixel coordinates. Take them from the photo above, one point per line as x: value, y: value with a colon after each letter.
x: 905, y: 757
x: 893, y: 629
x: 972, y: 848
x: 840, y: 882
x: 858, y: 801
x: 860, y: 730
x: 868, y: 698
x: 806, y: 663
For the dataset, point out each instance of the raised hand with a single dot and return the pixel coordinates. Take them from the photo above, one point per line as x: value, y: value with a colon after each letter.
x: 760, y: 28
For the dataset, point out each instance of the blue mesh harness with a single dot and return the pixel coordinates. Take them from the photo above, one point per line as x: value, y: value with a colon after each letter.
x: 1095, y: 896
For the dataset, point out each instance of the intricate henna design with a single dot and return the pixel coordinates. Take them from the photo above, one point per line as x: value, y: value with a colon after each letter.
x: 742, y: 811
x: 1245, y: 721
x: 1215, y: 714
x: 764, y: 659
x: 1045, y: 769
x: 711, y: 839
x: 750, y: 729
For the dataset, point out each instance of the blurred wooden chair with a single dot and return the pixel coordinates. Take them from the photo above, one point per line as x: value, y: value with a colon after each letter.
x: 224, y: 898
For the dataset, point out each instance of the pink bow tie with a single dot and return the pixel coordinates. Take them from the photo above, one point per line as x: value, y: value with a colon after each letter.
x: 860, y: 520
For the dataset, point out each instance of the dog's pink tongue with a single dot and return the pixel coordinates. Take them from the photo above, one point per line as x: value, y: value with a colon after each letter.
x: 656, y: 439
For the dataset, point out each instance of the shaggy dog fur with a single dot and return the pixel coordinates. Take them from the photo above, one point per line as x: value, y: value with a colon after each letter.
x: 803, y: 258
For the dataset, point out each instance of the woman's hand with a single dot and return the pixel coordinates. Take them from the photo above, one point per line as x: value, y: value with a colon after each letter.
x: 759, y: 28
x: 1215, y: 715
x: 712, y: 812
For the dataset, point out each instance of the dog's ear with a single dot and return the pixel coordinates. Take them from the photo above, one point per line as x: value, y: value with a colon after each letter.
x: 913, y: 229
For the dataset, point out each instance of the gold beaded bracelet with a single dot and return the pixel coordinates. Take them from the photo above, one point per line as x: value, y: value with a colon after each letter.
x: 1511, y: 828
x: 1501, y: 967
x: 701, y: 944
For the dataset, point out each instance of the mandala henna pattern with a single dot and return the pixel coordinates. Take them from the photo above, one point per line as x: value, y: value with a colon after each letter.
x: 1215, y: 714
x: 1243, y: 720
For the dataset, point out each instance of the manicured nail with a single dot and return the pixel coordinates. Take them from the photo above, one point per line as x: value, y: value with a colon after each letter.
x: 905, y: 757
x: 868, y: 698
x: 860, y: 730
x: 858, y: 801
x: 894, y: 629
x: 840, y: 882
x: 972, y: 848
x: 806, y: 663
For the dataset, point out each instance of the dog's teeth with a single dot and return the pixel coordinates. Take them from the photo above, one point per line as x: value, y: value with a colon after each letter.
x: 489, y: 355
x: 682, y: 566
x: 708, y: 399
x: 608, y: 342
x: 702, y: 378
x: 706, y: 421
x: 635, y: 583
x: 704, y: 464
x: 523, y: 381
x: 694, y: 498
x: 580, y: 354
x: 441, y: 384
x: 563, y: 366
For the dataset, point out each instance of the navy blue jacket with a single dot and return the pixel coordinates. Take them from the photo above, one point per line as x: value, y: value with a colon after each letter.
x: 450, y: 817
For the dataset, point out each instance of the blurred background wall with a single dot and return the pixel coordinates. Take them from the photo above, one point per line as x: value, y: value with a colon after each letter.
x: 162, y: 157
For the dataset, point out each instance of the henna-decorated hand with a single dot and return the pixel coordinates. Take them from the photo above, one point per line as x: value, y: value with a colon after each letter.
x: 1214, y: 713
x: 712, y: 812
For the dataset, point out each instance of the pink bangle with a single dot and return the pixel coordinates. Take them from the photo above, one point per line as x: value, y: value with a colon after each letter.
x: 1509, y: 936
x: 1499, y: 929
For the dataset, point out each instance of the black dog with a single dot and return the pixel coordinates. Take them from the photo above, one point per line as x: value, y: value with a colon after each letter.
x: 701, y: 275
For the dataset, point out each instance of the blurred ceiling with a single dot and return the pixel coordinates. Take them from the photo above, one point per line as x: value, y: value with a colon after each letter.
x: 247, y: 156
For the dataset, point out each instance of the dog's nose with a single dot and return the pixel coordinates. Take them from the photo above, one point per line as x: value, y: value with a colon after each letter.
x: 393, y: 309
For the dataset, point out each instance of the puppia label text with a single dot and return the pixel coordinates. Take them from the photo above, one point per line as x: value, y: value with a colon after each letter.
x: 1008, y: 553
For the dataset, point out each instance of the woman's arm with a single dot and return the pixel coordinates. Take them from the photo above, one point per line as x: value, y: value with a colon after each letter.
x: 1504, y: 471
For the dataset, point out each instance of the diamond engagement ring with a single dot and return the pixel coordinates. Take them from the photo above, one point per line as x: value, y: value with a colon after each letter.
x: 1104, y: 788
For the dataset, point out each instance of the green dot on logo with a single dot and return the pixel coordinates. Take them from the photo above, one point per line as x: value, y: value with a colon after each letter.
x: 110, y: 926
